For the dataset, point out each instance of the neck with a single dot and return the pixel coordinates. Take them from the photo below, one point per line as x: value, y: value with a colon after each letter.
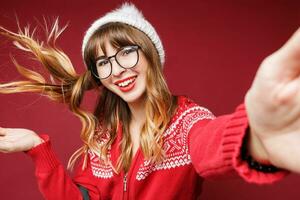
x: 138, y: 118
x: 137, y: 109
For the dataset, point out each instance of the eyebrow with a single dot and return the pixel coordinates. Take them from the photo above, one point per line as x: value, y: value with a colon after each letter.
x: 100, y: 57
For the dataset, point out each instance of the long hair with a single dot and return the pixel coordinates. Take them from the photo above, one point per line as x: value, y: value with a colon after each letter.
x: 111, y: 109
x: 68, y: 87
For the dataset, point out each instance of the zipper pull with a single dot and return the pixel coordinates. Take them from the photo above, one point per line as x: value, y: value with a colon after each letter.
x: 125, y: 182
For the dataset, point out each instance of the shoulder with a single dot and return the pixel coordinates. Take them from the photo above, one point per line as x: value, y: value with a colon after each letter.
x: 175, y: 137
x: 186, y: 115
x: 188, y: 111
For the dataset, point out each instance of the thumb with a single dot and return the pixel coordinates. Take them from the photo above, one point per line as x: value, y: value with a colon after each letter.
x: 292, y: 47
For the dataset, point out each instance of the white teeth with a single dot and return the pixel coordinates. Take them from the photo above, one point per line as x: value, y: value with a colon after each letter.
x: 125, y: 83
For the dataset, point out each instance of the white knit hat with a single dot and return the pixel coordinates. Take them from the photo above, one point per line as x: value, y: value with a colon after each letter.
x: 130, y: 15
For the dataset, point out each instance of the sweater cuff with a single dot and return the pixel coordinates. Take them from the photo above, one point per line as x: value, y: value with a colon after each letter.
x: 234, y: 135
x: 43, y: 156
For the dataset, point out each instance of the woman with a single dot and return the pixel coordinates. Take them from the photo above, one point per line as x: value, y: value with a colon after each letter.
x: 142, y: 142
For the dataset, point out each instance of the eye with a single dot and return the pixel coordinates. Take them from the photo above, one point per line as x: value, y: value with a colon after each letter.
x: 102, y: 63
x: 128, y: 51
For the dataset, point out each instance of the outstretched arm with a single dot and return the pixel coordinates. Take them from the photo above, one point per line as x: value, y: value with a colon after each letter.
x: 53, y: 181
x: 216, y: 149
x: 273, y: 108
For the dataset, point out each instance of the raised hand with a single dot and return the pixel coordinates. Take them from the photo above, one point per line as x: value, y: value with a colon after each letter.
x: 273, y: 106
x: 17, y: 140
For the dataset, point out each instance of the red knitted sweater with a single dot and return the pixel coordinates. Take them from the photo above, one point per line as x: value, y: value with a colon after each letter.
x: 197, y: 146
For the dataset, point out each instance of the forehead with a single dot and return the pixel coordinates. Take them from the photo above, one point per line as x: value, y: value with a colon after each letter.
x: 109, y: 48
x: 108, y: 39
x: 105, y: 49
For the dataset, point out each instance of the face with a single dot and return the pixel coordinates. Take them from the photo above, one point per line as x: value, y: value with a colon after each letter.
x: 129, y: 84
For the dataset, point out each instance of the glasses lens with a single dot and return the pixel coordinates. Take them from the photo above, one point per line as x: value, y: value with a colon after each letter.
x: 103, y: 68
x: 128, y: 56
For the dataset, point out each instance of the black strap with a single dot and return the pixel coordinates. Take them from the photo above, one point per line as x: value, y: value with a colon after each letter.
x: 84, y: 192
x: 253, y: 164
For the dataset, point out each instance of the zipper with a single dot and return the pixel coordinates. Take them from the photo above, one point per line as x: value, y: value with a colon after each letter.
x: 128, y: 174
x: 125, y: 182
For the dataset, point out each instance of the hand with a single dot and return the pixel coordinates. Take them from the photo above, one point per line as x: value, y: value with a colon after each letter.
x: 17, y: 140
x: 273, y: 105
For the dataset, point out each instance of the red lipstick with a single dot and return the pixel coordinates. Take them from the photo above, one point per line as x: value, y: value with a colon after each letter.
x: 129, y: 86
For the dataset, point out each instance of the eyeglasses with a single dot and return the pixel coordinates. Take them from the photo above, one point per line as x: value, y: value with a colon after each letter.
x: 127, y: 57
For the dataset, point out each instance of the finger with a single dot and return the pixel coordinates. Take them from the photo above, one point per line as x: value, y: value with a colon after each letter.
x: 292, y: 46
x: 5, y: 147
x: 2, y: 131
x: 3, y: 138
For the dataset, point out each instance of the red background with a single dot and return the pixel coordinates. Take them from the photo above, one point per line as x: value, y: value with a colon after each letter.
x: 213, y: 50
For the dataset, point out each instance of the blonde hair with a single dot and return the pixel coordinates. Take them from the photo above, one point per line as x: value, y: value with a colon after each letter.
x: 68, y: 87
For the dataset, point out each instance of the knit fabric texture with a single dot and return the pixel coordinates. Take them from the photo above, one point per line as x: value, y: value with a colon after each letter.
x: 197, y: 146
x: 130, y: 15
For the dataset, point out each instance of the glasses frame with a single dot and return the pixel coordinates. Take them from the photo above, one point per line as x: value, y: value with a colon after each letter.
x: 95, y: 71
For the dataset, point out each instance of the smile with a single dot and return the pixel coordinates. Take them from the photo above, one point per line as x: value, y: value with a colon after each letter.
x: 126, y: 84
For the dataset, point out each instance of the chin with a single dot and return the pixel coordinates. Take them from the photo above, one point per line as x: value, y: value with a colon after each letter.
x: 134, y: 97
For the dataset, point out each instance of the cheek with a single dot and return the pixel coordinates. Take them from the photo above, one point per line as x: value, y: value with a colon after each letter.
x: 143, y: 73
x: 141, y: 69
x: 107, y: 83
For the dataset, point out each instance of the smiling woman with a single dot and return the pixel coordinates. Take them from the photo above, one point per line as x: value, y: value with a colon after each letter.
x: 132, y: 76
x: 141, y: 141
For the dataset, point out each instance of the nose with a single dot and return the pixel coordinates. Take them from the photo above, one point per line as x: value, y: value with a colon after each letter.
x: 116, y: 68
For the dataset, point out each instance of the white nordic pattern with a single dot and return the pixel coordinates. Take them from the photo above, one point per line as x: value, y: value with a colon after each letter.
x: 175, y: 142
x: 99, y: 168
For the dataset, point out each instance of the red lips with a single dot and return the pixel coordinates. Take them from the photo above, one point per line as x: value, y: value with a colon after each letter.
x: 129, y: 87
x: 120, y: 81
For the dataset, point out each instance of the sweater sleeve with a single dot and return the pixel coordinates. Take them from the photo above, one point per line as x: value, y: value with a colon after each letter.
x: 53, y: 181
x: 215, y: 149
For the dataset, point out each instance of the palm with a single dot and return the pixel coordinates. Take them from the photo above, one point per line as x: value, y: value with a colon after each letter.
x: 16, y: 140
x: 273, y: 102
